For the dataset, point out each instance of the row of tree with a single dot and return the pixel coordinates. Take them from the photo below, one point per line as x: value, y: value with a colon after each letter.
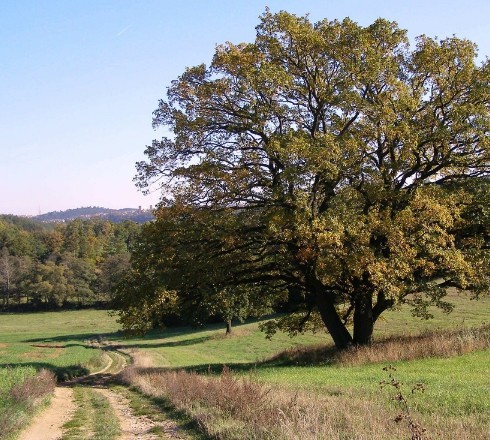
x: 62, y: 265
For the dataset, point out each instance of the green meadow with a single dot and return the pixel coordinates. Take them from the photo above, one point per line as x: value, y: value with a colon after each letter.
x: 59, y: 341
x: 455, y: 385
x: 69, y: 343
x: 185, y: 347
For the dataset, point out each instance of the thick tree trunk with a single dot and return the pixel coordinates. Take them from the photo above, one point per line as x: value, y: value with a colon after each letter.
x: 363, y: 319
x: 332, y: 321
x: 324, y: 301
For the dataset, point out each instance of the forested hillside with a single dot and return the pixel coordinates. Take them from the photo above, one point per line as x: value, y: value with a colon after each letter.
x: 114, y: 215
x: 70, y: 264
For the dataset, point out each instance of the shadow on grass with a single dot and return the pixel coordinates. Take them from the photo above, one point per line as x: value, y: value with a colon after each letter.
x: 118, y: 339
x: 165, y: 333
x: 183, y: 343
x: 187, y: 330
x: 307, y: 356
x: 79, y: 337
x: 62, y: 373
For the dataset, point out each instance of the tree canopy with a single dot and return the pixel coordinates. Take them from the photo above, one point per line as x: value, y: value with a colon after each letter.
x: 329, y: 162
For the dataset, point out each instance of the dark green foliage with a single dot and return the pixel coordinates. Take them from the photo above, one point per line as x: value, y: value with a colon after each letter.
x: 63, y: 265
x: 172, y: 273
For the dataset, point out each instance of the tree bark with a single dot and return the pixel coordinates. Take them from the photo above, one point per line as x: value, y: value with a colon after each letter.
x: 228, y: 327
x: 337, y: 329
x: 326, y: 307
x: 363, y: 318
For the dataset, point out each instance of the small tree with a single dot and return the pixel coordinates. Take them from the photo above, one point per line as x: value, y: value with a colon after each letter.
x: 338, y: 150
x: 172, y: 273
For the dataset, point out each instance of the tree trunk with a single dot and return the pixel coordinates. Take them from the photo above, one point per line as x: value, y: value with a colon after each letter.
x: 324, y: 301
x: 363, y: 319
x: 332, y: 321
x: 228, y: 326
x: 8, y: 292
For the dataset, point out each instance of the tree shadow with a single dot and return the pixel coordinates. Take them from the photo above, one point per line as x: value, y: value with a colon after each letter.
x: 77, y: 337
x: 186, y: 330
x: 303, y: 357
x: 183, y: 343
x: 118, y: 340
x: 62, y: 373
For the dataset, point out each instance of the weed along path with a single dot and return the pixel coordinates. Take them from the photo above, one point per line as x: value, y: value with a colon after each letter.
x: 95, y: 407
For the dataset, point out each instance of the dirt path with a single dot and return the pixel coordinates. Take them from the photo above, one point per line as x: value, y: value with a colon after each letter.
x: 48, y: 424
x: 137, y: 427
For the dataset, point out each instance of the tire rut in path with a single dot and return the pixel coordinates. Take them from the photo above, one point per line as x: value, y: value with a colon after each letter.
x: 137, y: 427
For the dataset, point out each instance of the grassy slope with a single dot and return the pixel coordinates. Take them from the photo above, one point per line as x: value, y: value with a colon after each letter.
x: 187, y: 347
x: 454, y: 386
x: 59, y: 338
x: 190, y: 347
x: 467, y: 312
x: 53, y: 340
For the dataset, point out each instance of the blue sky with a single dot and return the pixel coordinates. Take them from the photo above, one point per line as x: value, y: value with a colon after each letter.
x: 79, y: 81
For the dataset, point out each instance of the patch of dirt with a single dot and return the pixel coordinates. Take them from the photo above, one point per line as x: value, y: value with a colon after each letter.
x: 2, y: 345
x: 48, y: 423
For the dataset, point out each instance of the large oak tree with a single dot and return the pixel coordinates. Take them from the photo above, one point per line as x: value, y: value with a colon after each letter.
x: 326, y: 160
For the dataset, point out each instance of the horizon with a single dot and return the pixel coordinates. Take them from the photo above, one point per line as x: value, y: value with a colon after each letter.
x: 80, y: 81
x: 39, y: 214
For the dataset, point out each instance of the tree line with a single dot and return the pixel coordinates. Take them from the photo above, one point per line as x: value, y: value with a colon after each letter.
x: 72, y: 264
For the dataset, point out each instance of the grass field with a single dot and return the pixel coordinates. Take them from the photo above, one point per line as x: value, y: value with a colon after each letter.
x: 54, y: 340
x: 456, y: 388
x: 58, y: 342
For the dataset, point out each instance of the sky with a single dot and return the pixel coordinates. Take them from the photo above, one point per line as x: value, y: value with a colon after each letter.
x: 79, y: 80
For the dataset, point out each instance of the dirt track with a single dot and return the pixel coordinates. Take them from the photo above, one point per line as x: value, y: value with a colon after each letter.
x: 48, y: 425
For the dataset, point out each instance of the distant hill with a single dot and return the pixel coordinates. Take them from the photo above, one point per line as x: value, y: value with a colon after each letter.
x: 113, y: 215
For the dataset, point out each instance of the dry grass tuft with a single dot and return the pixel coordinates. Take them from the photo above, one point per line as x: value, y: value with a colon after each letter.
x: 236, y: 407
x: 34, y: 388
x: 24, y: 397
x: 438, y: 343
x: 140, y: 359
x: 232, y: 408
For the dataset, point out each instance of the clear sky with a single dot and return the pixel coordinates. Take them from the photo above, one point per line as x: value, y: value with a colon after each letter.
x: 79, y: 80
